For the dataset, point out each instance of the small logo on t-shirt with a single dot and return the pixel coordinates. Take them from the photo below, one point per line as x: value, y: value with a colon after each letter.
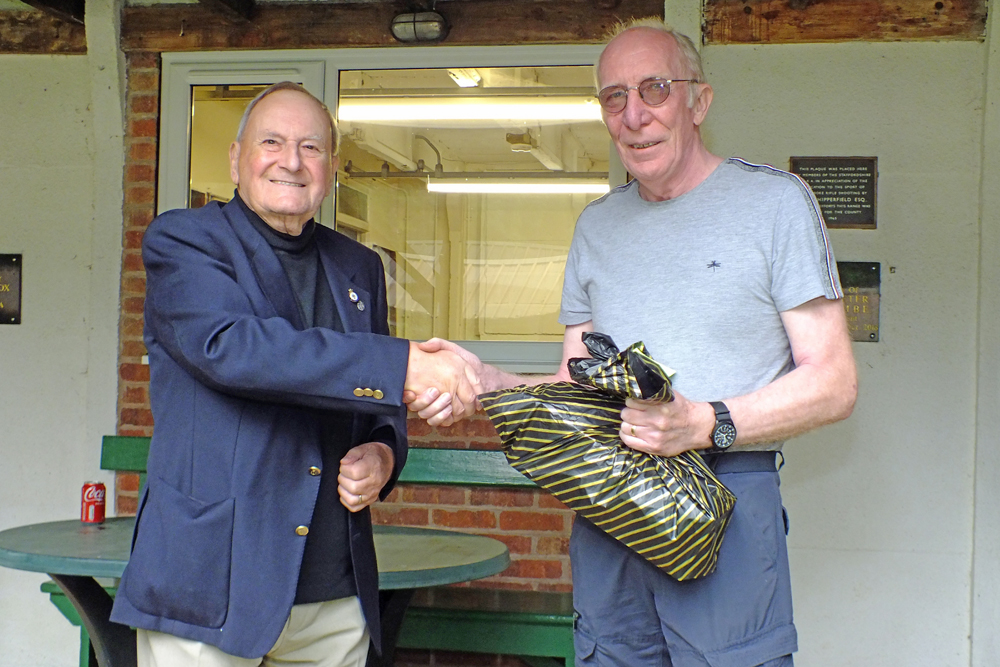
x: 713, y: 265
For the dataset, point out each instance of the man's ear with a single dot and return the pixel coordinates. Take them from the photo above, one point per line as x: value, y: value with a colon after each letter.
x: 702, y: 102
x: 234, y: 162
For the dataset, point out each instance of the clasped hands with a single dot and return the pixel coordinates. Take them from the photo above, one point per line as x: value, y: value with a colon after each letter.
x: 442, y: 381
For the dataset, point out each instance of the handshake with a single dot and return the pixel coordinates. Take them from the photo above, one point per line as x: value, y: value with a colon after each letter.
x: 442, y: 381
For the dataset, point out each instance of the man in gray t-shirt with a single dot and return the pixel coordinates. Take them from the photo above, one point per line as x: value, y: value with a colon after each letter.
x: 723, y: 268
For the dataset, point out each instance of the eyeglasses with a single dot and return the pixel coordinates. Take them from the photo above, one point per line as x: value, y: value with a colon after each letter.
x: 653, y: 92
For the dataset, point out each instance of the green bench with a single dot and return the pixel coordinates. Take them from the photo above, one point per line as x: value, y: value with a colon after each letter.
x: 533, y: 625
x: 536, y: 626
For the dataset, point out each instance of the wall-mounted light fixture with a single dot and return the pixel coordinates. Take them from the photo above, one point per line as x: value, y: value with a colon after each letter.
x: 419, y: 27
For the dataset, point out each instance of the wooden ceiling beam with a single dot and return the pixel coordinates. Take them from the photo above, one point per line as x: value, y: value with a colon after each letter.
x: 239, y: 11
x: 70, y: 11
x: 38, y: 32
x: 799, y: 21
x: 330, y: 25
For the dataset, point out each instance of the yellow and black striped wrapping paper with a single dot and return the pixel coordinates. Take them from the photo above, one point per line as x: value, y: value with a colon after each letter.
x: 673, y: 511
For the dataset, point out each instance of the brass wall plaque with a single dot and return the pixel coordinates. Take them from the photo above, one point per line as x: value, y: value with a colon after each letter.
x: 10, y: 289
x: 844, y: 186
x: 861, y: 282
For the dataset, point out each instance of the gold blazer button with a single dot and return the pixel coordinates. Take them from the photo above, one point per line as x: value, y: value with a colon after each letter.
x: 302, y: 531
x: 369, y: 392
x: 314, y: 471
x: 358, y: 391
x: 378, y: 394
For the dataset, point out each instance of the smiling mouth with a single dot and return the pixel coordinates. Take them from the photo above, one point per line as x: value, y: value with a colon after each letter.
x: 646, y: 145
x: 294, y: 185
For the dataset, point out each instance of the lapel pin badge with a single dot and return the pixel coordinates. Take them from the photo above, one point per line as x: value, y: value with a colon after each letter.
x: 352, y: 295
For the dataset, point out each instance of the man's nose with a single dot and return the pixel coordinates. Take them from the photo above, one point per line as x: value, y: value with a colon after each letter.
x: 636, y: 112
x: 290, y: 157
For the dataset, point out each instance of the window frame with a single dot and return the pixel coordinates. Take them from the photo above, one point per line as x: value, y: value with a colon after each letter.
x: 319, y: 72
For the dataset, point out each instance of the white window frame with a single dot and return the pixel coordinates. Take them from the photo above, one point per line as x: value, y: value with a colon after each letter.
x: 319, y: 71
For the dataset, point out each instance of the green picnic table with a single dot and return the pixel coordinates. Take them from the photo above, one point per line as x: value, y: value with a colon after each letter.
x: 74, y: 553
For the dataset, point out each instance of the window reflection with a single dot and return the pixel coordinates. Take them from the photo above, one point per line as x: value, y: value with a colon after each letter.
x: 474, y: 265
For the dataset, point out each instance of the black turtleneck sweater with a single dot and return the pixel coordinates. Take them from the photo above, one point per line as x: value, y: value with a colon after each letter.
x: 326, y: 572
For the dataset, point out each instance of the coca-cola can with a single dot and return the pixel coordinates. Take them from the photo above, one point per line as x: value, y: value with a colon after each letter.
x: 92, y: 503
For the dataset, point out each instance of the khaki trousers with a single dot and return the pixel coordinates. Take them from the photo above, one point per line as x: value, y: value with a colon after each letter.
x: 324, y: 634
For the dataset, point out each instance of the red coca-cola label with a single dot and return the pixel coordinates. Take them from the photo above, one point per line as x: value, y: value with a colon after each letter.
x: 92, y: 503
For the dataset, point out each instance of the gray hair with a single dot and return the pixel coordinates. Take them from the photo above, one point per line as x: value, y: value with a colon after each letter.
x: 690, y: 57
x: 290, y: 85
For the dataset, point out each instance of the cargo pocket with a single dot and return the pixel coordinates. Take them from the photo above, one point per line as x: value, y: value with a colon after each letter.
x: 179, y: 568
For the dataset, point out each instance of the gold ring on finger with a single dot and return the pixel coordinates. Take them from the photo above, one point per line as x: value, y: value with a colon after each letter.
x: 633, y: 430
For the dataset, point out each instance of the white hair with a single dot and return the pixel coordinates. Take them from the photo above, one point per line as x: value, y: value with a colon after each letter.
x: 290, y: 85
x: 690, y: 58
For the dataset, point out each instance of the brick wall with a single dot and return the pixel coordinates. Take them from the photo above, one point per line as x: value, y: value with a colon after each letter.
x: 534, y: 526
x: 142, y: 121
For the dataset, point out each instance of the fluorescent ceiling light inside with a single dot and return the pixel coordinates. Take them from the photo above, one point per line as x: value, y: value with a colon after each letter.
x: 436, y: 108
x: 517, y: 187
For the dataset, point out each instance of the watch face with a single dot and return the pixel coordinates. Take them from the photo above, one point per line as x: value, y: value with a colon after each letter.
x: 724, y: 435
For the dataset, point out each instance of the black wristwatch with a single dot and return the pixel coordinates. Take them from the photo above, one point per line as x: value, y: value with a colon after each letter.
x: 724, y: 433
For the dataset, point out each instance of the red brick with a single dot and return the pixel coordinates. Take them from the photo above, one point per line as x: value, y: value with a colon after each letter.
x: 133, y: 285
x: 142, y: 151
x: 417, y: 427
x: 143, y: 59
x: 140, y: 173
x: 393, y: 496
x: 142, y: 127
x: 134, y: 373
x: 143, y: 80
x: 133, y: 240
x: 517, y: 544
x: 133, y: 304
x: 553, y: 546
x: 464, y: 519
x: 493, y: 444
x: 127, y: 481
x: 139, y: 216
x: 126, y: 505
x: 534, y: 569
x: 513, y: 520
x: 556, y: 588
x: 136, y: 417
x: 144, y: 103
x: 433, y: 495
x: 478, y: 426
x: 405, y: 516
x: 136, y: 431
x: 133, y: 350
x: 131, y: 326
x: 547, y: 501
x: 140, y: 194
x: 135, y: 396
x: 132, y: 261
x: 494, y: 582
x: 498, y: 498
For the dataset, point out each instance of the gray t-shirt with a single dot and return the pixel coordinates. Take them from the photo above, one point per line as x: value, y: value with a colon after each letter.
x: 702, y: 278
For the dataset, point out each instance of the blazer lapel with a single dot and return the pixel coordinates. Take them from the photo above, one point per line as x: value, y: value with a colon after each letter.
x: 353, y: 301
x: 271, y: 278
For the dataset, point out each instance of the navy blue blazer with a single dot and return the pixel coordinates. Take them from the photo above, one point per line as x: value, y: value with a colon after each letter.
x: 237, y: 389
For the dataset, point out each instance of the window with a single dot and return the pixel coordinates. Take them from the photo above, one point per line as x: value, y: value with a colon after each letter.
x: 439, y: 147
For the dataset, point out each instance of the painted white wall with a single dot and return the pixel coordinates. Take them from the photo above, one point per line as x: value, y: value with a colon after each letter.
x: 882, y: 505
x: 61, y: 162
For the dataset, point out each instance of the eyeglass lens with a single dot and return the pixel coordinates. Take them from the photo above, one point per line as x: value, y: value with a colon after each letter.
x: 653, y: 92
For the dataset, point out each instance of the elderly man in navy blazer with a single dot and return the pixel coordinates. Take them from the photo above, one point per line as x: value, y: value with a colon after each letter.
x: 277, y: 397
